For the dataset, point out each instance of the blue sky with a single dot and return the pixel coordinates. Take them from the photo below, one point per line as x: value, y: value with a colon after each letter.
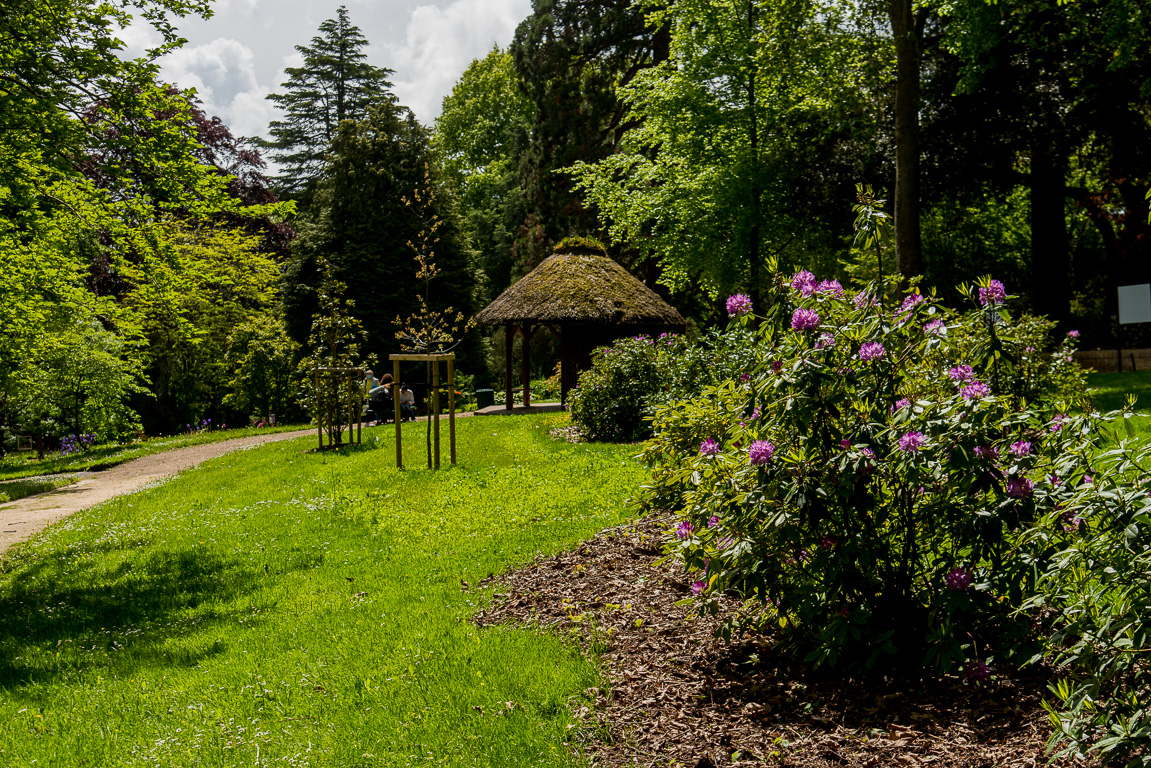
x: 237, y: 57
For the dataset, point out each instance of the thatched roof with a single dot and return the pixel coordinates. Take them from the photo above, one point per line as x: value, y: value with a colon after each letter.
x: 579, y: 287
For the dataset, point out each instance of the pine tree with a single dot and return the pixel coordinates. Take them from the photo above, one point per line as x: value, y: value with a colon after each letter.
x: 334, y: 84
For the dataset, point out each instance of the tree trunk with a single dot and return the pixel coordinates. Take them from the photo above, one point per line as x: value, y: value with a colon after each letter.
x: 1050, y: 257
x: 753, y: 256
x: 907, y: 29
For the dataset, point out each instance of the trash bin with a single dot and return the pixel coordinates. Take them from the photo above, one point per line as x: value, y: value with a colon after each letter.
x: 485, y: 398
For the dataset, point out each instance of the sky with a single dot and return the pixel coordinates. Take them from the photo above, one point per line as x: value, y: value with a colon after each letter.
x: 237, y: 57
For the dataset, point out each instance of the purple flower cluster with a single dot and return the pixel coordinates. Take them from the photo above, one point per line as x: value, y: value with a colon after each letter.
x: 907, y: 306
x: 976, y: 672
x: 828, y: 542
x: 1073, y: 334
x: 961, y: 373
x: 709, y: 447
x: 863, y: 299
x: 684, y: 530
x: 872, y: 350
x: 911, y: 442
x: 993, y: 294
x: 935, y: 328
x: 1057, y: 421
x: 900, y: 404
x: 1021, y: 448
x: 987, y: 452
x: 845, y: 443
x: 76, y: 443
x: 957, y: 579
x: 826, y: 340
x: 1019, y: 487
x: 975, y: 390
x: 724, y: 542
x: 804, y: 319
x: 760, y: 452
x: 738, y: 305
x: 804, y: 282
x: 830, y: 286
x: 713, y: 521
x: 697, y: 588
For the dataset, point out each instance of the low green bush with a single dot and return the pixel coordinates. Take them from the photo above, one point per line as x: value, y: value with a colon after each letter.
x: 616, y: 397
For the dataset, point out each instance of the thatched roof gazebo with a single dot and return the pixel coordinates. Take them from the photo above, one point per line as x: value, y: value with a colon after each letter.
x: 583, y: 297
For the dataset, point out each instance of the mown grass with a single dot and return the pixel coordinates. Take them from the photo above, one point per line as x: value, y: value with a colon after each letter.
x: 280, y: 607
x: 21, y: 465
x: 1109, y: 392
x: 11, y: 490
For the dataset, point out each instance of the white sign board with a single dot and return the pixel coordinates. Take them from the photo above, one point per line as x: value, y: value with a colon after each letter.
x: 1135, y: 304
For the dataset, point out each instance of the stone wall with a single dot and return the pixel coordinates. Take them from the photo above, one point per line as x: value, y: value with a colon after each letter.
x: 1107, y: 360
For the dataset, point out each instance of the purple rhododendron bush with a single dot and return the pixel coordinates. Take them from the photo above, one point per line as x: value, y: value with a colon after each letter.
x: 908, y: 489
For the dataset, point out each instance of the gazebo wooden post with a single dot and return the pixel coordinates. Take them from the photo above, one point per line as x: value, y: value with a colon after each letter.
x: 525, y: 363
x: 436, y: 406
x: 396, y: 404
x: 509, y: 346
x: 452, y: 407
x: 319, y: 415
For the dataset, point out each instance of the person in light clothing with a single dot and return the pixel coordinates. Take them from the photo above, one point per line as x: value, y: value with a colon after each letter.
x: 407, y: 403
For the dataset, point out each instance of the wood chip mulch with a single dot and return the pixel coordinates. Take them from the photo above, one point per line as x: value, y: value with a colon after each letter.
x: 676, y: 695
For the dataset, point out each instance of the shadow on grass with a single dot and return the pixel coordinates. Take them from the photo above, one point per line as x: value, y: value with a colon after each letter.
x: 55, y: 621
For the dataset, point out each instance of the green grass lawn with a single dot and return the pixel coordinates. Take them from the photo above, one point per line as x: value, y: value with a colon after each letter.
x: 279, y: 607
x: 20, y: 465
x: 1109, y: 391
x: 10, y: 490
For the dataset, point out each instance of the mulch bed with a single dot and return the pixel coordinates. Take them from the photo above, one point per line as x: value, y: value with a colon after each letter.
x: 678, y: 696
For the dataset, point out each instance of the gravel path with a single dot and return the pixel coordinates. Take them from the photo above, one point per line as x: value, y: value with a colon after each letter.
x: 24, y: 518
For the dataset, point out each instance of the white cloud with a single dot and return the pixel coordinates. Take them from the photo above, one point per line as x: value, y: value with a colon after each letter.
x: 441, y: 42
x: 224, y: 76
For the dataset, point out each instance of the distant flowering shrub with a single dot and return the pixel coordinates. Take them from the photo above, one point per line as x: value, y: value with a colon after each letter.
x: 975, y: 390
x: 760, y: 452
x: 838, y: 469
x: 993, y: 294
x: 738, y: 305
x: 872, y: 350
x: 911, y: 442
x: 804, y: 320
x: 72, y: 444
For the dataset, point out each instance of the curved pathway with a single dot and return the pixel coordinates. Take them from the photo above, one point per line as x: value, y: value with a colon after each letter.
x: 24, y: 518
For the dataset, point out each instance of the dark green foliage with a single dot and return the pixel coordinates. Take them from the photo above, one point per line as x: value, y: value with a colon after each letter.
x: 334, y: 84
x: 572, y: 58
x: 630, y: 379
x: 363, y: 228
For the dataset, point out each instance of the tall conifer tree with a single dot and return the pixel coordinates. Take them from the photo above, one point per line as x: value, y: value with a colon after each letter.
x: 335, y: 83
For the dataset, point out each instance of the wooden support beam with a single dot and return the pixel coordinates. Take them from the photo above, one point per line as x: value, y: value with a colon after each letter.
x: 452, y: 407
x: 396, y: 403
x: 509, y: 347
x: 436, y: 407
x: 525, y: 364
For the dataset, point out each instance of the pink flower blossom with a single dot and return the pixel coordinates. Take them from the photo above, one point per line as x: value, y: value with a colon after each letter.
x: 760, y: 452
x: 872, y: 350
x: 1019, y: 487
x: 713, y: 521
x: 957, y: 579
x: 845, y: 444
x: 976, y: 672
x: 709, y: 447
x: 987, y: 452
x: 1057, y: 421
x: 993, y: 294
x: 738, y: 305
x: 907, y: 306
x: 804, y: 319
x: 935, y: 328
x: 975, y: 390
x: 1021, y: 448
x: 900, y: 404
x: 697, y: 588
x: 684, y: 530
x: 830, y: 286
x: 1073, y: 334
x: 911, y: 442
x: 804, y: 282
x: 961, y: 373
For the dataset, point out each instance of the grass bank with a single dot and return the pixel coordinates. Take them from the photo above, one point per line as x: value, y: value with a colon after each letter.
x: 279, y: 607
x: 20, y: 465
x: 10, y: 490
